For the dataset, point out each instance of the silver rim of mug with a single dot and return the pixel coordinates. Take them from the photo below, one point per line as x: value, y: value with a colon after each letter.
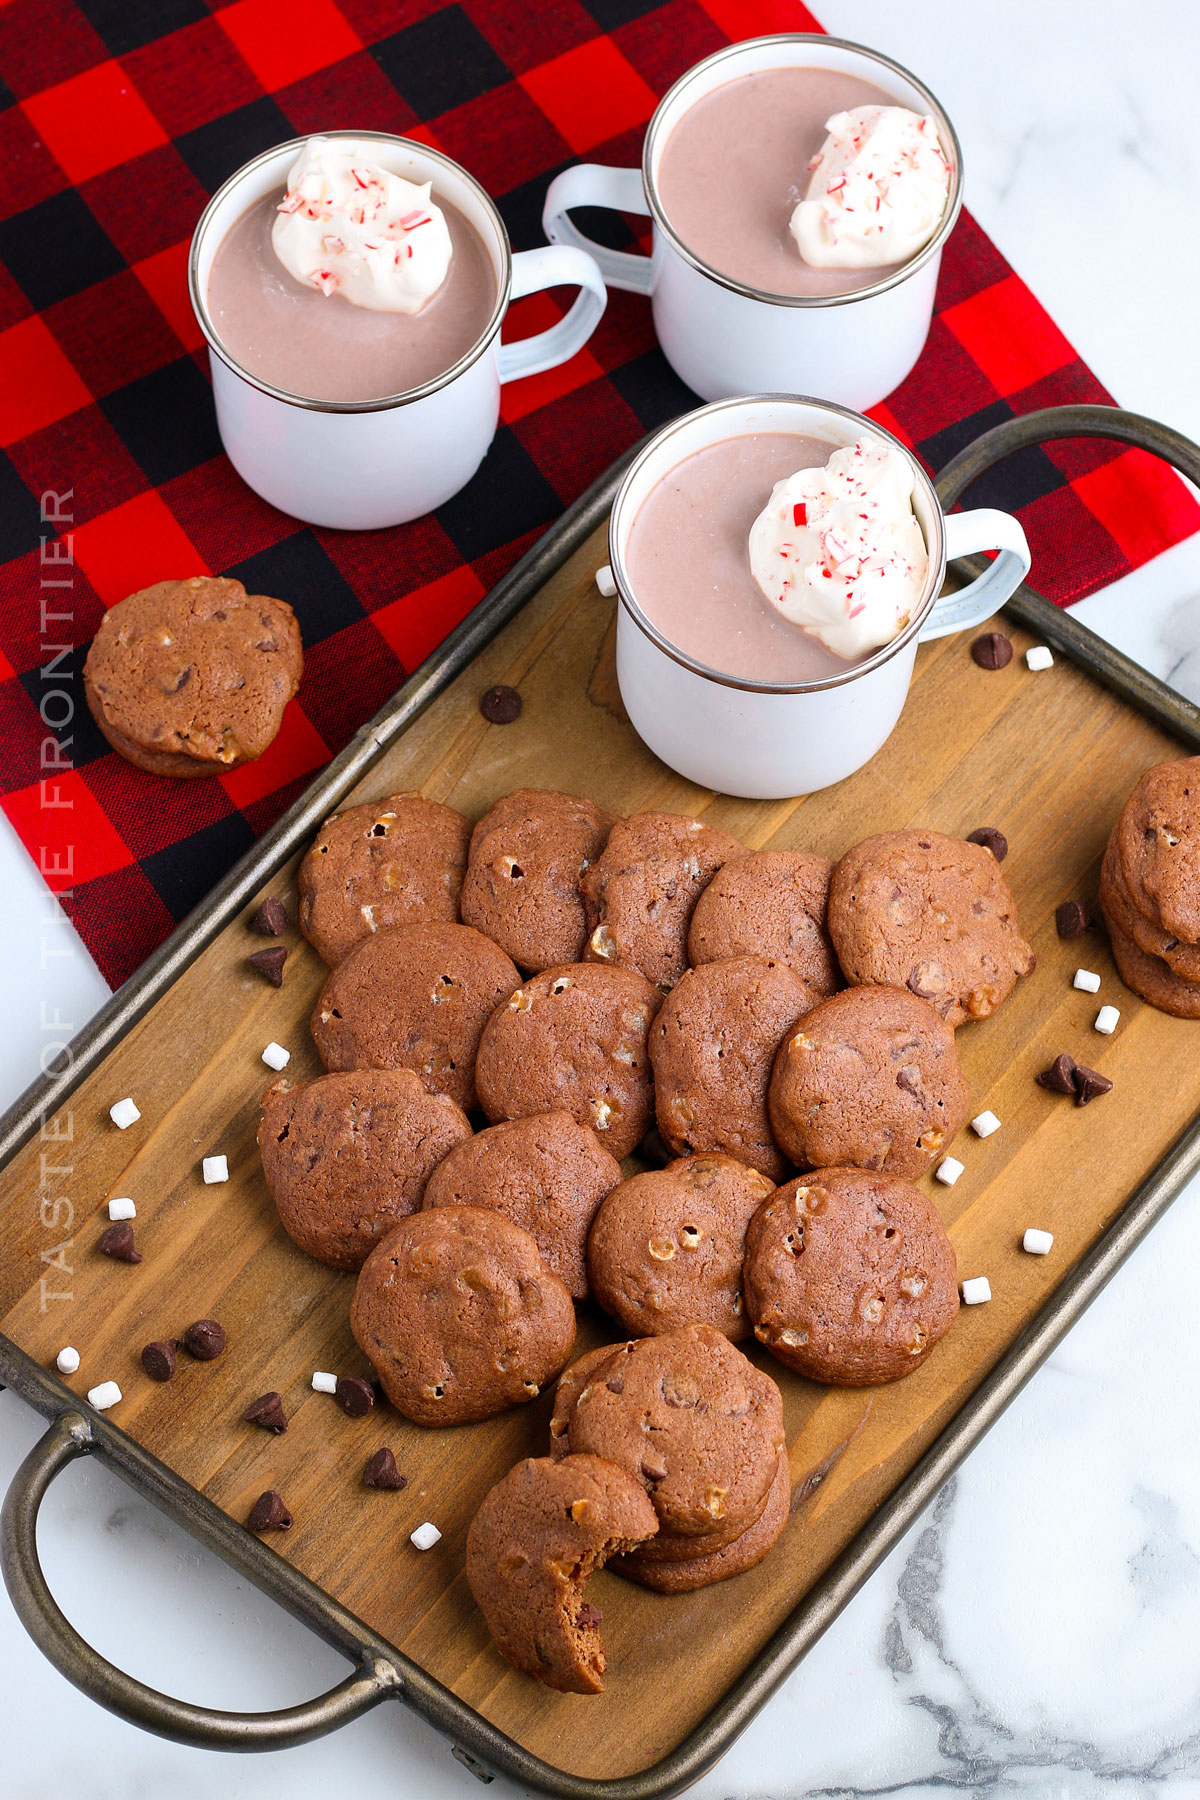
x: 625, y: 595
x: 732, y: 52
x: 294, y: 145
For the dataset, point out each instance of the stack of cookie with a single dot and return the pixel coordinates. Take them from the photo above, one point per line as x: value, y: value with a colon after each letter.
x: 1150, y: 888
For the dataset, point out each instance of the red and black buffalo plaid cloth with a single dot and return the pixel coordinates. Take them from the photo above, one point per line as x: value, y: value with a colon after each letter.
x: 119, y: 118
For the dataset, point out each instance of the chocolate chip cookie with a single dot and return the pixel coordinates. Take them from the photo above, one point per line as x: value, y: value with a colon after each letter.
x: 1123, y: 915
x: 666, y: 1247
x: 1158, y: 847
x: 460, y: 1316
x: 546, y: 1173
x: 712, y: 1048
x: 397, y: 861
x: 931, y: 913
x: 573, y: 1039
x: 686, y: 1574
x: 697, y: 1423
x: 415, y: 997
x: 640, y: 895
x: 528, y: 855
x: 571, y: 1384
x: 870, y: 1077
x: 347, y: 1156
x: 1152, y: 978
x: 850, y: 1277
x: 772, y: 903
x: 191, y: 677
x: 539, y: 1535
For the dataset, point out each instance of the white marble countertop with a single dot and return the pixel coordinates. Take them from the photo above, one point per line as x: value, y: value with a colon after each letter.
x: 1039, y: 1632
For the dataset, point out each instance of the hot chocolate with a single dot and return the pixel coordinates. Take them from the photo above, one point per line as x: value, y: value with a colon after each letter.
x: 694, y: 546
x: 321, y: 346
x: 738, y: 162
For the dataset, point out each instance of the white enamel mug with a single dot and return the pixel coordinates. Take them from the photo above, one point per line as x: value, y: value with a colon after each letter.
x: 764, y: 740
x: 356, y: 465
x: 722, y: 337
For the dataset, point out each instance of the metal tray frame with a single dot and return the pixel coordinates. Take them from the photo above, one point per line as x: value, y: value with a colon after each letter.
x: 381, y: 1671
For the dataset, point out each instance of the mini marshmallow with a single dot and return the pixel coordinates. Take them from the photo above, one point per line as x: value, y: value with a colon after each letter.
x: 1038, y: 1243
x: 425, y: 1536
x: 1039, y: 657
x: 67, y: 1360
x: 104, y: 1396
x: 1087, y: 980
x: 1106, y: 1020
x: 984, y: 1124
x: 323, y: 1382
x: 215, y: 1168
x: 949, y: 1170
x: 276, y: 1057
x: 124, y: 1114
x: 977, y: 1291
x: 608, y: 587
x: 122, y: 1209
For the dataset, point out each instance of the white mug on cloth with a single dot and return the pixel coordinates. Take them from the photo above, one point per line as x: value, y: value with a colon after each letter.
x: 356, y: 465
x: 723, y: 337
x: 765, y: 740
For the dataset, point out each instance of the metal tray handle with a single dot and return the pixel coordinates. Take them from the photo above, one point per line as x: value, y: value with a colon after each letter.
x: 203, y: 1727
x: 1173, y: 712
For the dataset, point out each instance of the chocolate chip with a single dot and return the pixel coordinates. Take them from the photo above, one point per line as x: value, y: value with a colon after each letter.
x: 927, y: 981
x: 991, y: 839
x: 992, y: 651
x: 117, y: 1242
x: 653, y: 1147
x: 1089, y: 1084
x: 909, y: 1079
x: 158, y: 1359
x: 1071, y: 918
x: 354, y: 1396
x: 381, y: 1472
x: 269, y: 1513
x: 270, y: 963
x: 1060, y: 1076
x: 271, y: 919
x: 501, y: 705
x: 204, y: 1340
x: 268, y: 1412
x: 589, y: 1615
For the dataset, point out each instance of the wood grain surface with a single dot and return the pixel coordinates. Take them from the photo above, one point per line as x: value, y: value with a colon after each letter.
x: 1047, y: 757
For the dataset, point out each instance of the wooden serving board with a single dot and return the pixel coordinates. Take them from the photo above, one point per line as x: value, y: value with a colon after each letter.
x: 1047, y: 757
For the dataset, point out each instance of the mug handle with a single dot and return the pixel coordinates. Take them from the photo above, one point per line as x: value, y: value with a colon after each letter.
x: 984, y: 529
x: 550, y: 266
x: 591, y: 184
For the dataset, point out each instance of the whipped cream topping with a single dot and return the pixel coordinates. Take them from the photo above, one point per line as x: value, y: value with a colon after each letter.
x: 877, y: 191
x: 839, y: 551
x: 348, y: 227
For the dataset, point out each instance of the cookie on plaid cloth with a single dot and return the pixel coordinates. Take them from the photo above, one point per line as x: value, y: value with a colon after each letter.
x: 191, y: 677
